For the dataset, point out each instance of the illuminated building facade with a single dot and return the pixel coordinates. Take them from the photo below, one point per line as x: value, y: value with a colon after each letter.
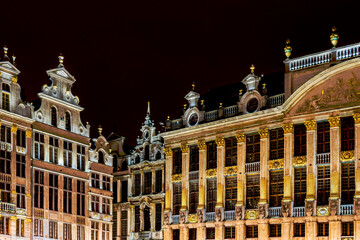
x: 265, y: 166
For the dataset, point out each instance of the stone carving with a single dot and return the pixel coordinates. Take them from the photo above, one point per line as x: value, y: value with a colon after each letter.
x: 264, y: 132
x: 288, y: 127
x: 230, y: 170
x: 276, y: 164
x: 262, y: 210
x: 357, y: 206
x: 200, y: 215
x: 218, y: 214
x: 347, y: 156
x: 166, y: 218
x: 286, y: 209
x: 309, y: 208
x: 334, y: 207
x: 299, y: 161
x: 168, y: 152
x: 184, y: 148
x: 251, y: 214
x: 183, y: 217
x: 334, y: 121
x: 220, y: 142
x: 238, y: 212
x: 192, y: 218
x: 356, y: 117
x: 310, y: 125
x: 176, y: 178
x: 240, y: 137
x: 210, y: 173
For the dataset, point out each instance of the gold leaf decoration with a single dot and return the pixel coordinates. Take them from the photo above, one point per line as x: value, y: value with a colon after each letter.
x: 230, y: 170
x: 192, y: 218
x: 356, y: 117
x: 251, y: 214
x: 184, y: 148
x: 176, y: 178
x: 288, y: 127
x: 299, y: 161
x: 201, y: 145
x: 168, y: 152
x: 322, y: 211
x: 240, y: 137
x: 276, y: 164
x: 334, y: 121
x: 310, y: 125
x: 346, y: 156
x: 220, y: 142
x: 210, y: 173
x: 264, y: 132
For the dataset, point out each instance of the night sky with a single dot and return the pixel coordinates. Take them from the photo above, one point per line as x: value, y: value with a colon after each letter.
x: 125, y: 53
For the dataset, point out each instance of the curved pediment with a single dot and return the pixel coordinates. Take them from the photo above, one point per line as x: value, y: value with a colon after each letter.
x: 334, y: 88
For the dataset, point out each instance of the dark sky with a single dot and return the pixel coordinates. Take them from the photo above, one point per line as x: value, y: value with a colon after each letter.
x: 125, y: 53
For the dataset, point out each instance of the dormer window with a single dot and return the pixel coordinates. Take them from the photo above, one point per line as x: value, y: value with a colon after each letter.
x: 5, y: 96
x: 101, y: 157
x: 67, y: 121
x: 147, y: 152
x: 53, y: 116
x: 158, y: 155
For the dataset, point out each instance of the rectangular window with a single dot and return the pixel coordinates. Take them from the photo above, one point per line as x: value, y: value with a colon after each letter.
x: 299, y: 229
x: 275, y: 230
x: 39, y: 144
x: 193, y: 195
x: 67, y: 154
x: 347, y: 134
x: 5, y: 134
x: 158, y: 216
x: 230, y: 151
x: 5, y: 225
x: 137, y: 219
x: 252, y: 231
x: 176, y: 234
x: 194, y: 158
x: 67, y: 195
x: 147, y: 182
x: 80, y: 157
x: 95, y: 204
x: 53, y: 230
x: 5, y: 191
x: 95, y: 231
x: 53, y: 150
x: 105, y: 231
x: 20, y: 165
x: 124, y: 191
x: 5, y: 162
x: 176, y: 198
x: 210, y: 233
x: 211, y: 155
x: 20, y: 227
x: 299, y: 140
x: 252, y: 191
x: 80, y: 232
x: 300, y: 186
x: 95, y: 180
x: 211, y: 195
x: 177, y: 161
x: 252, y: 148
x: 39, y: 189
x: 158, y: 184
x: 323, y: 184
x: 20, y: 138
x: 323, y: 137
x: 53, y: 192
x: 80, y: 200
x: 230, y: 193
x: 276, y: 188
x: 106, y: 183
x: 276, y: 144
x: 347, y: 182
x: 6, y: 97
x: 323, y: 229
x: 106, y: 203
x: 137, y: 180
x: 124, y: 223
x: 192, y: 233
x: 347, y: 229
x: 20, y: 197
x: 230, y: 232
x: 38, y: 227
x: 67, y: 231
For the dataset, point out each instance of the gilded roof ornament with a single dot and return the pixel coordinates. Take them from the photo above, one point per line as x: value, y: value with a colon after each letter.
x: 252, y: 68
x: 287, y: 49
x: 61, y: 61
x: 334, y: 37
x: 100, y: 130
x: 310, y: 125
x: 5, y: 52
x: 13, y: 59
x: 193, y: 86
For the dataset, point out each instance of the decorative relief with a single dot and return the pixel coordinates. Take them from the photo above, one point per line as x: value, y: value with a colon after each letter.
x: 299, y: 161
x: 309, y: 208
x: 201, y: 145
x: 184, y: 148
x: 322, y: 211
x: 240, y: 137
x: 262, y: 210
x: 166, y: 218
x: 356, y: 117
x: 276, y: 164
x: 220, y: 142
x: 230, y: 170
x: 251, y: 214
x: 264, y: 132
x: 334, y: 121
x: 288, y: 127
x: 14, y: 128
x: 210, y: 173
x: 192, y: 218
x: 176, y: 178
x: 357, y: 206
x: 219, y: 214
x: 310, y: 125
x: 334, y: 207
x: 183, y: 216
x: 286, y: 209
x: 239, y: 212
x: 168, y: 152
x: 200, y: 215
x: 346, y: 156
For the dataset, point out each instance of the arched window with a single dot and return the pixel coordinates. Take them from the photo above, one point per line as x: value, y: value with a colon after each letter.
x: 158, y: 155
x: 67, y: 121
x: 147, y: 152
x: 5, y: 96
x: 101, y: 157
x: 53, y: 117
x: 137, y: 159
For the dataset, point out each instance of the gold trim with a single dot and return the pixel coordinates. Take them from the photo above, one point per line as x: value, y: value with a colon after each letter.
x: 13, y: 218
x: 14, y: 79
x: 346, y: 156
x: 310, y: 125
x: 14, y: 128
x: 184, y: 148
x: 28, y: 133
x: 276, y: 164
x: 176, y: 178
x: 232, y: 170
x: 356, y: 117
x: 240, y: 137
x: 288, y: 127
x: 334, y: 121
x: 299, y: 161
x: 210, y: 173
x: 192, y: 218
x: 168, y: 152
x: 28, y: 220
x: 220, y: 142
x: 322, y: 211
x: 264, y: 132
x: 201, y: 144
x: 251, y: 214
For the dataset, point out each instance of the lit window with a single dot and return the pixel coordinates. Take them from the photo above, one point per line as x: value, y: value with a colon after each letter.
x: 67, y: 121
x: 53, y: 116
x: 5, y: 97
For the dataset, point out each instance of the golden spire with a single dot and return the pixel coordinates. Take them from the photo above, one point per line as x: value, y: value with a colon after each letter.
x: 287, y: 49
x: 334, y: 37
x: 193, y: 86
x: 5, y: 52
x: 252, y: 68
x: 61, y: 61
x: 100, y: 130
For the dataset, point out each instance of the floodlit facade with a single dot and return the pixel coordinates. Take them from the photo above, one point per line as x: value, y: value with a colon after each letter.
x: 257, y: 163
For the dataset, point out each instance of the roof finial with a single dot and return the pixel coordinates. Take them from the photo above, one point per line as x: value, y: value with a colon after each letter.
x: 334, y: 37
x: 193, y: 86
x: 100, y: 130
x: 252, y: 68
x: 61, y: 61
x: 148, y: 109
x: 5, y: 52
x: 287, y: 49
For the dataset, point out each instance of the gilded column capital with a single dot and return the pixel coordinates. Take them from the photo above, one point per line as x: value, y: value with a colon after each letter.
x: 184, y: 148
x: 28, y: 133
x: 240, y: 137
x: 168, y: 152
x: 288, y: 128
x: 220, y: 142
x: 201, y: 144
x: 310, y: 125
x: 334, y: 121
x: 356, y: 117
x: 264, y: 132
x: 14, y: 128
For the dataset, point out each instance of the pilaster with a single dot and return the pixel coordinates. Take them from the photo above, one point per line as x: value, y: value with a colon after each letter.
x: 334, y: 228
x: 185, y: 178
x: 264, y: 172
x: 286, y: 229
x: 132, y: 218
x: 168, y: 187
x: 310, y: 228
x: 141, y: 182
x: 202, y: 178
x: 263, y: 228
x: 240, y: 230
x: 184, y: 233
x: 153, y: 180
x: 219, y: 231
x: 357, y: 157
x: 241, y: 158
x: 219, y: 211
x: 13, y: 163
x: 132, y: 184
x: 201, y: 232
x: 288, y: 169
x: 334, y: 165
x: 168, y: 233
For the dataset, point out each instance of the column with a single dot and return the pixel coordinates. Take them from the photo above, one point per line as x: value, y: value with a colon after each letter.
x: 13, y: 225
x: 357, y: 177
x: 202, y: 179
x: 241, y: 159
x: 240, y: 230
x: 28, y: 183
x: 263, y: 228
x: 185, y: 184
x: 219, y: 231
x: 153, y: 180
x: 311, y: 168
x: 132, y: 218
x: 168, y: 233
x: 61, y: 152
x: 141, y: 182
x: 163, y: 179
x: 152, y: 217
x: 168, y: 190
x: 334, y: 166
x: 288, y: 171
x: 264, y: 172
x: 219, y: 211
x: 201, y: 232
x: 13, y: 164
x: 184, y: 233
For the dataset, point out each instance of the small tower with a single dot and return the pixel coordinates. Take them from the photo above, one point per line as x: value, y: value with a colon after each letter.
x: 251, y: 81
x: 192, y: 97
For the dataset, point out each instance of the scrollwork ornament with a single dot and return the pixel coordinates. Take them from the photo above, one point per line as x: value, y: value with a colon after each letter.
x: 299, y: 161
x: 240, y: 137
x: 184, y: 148
x: 201, y: 145
x: 264, y: 132
x: 288, y: 128
x: 168, y: 152
x: 220, y: 142
x: 276, y: 164
x: 334, y: 121
x: 210, y: 173
x: 230, y: 170
x: 346, y: 156
x: 310, y: 125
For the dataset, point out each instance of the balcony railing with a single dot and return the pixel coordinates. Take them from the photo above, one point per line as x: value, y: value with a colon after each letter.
x: 299, y: 211
x: 210, y: 216
x: 275, y: 212
x: 322, y: 158
x: 347, y: 209
x: 212, y: 115
x: 252, y: 167
x: 229, y: 215
x: 176, y: 219
x: 230, y: 111
x: 7, y: 207
x: 348, y: 51
x: 177, y: 123
x: 277, y: 100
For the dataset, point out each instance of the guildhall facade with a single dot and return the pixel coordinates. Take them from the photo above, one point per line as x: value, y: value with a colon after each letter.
x: 257, y: 163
